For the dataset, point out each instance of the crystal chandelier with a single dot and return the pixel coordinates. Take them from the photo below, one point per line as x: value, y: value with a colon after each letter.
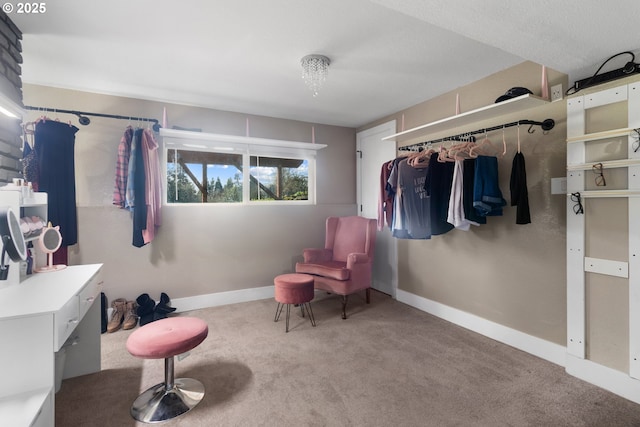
x: 314, y: 71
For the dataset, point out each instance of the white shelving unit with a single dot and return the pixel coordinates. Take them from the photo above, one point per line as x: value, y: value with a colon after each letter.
x: 521, y: 103
x: 579, y: 263
x: 39, y: 313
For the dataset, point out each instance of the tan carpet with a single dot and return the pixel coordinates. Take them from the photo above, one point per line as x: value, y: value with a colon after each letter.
x: 387, y: 365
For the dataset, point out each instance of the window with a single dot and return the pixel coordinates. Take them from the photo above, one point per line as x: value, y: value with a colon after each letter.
x: 208, y: 168
x: 276, y: 178
x: 203, y: 177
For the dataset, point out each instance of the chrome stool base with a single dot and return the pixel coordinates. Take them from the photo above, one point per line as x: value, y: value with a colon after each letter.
x: 158, y: 404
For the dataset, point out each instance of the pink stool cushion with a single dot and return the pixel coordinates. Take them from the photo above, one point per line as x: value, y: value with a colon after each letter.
x: 293, y: 288
x: 167, y: 337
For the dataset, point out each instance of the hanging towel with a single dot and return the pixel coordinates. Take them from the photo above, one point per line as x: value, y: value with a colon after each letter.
x: 519, y: 192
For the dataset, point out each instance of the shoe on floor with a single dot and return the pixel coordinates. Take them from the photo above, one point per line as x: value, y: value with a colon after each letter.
x: 119, y: 306
x: 130, y: 317
x: 145, y: 308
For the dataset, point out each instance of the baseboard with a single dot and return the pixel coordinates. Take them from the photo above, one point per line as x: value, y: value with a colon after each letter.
x: 221, y: 298
x: 544, y: 349
x: 616, y: 382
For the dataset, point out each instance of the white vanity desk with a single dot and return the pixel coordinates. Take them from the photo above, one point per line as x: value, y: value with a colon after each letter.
x: 37, y: 317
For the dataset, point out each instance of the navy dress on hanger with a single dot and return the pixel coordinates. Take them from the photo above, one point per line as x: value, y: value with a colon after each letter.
x: 54, y: 145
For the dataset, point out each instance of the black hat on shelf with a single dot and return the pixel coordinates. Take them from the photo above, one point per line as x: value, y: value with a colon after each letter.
x: 514, y: 92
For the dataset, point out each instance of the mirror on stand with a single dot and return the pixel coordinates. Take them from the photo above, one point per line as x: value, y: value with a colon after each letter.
x: 49, y: 242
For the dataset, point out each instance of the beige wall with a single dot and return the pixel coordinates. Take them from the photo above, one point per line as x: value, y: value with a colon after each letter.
x: 204, y: 249
x: 507, y: 273
x: 510, y: 274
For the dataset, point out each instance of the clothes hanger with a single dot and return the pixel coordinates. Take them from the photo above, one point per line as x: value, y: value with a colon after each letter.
x: 504, y: 144
x: 518, y: 137
x: 483, y: 144
x: 461, y: 151
x: 422, y: 159
x: 443, y: 154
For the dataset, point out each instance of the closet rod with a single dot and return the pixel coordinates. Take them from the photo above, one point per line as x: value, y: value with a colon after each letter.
x: 546, y: 125
x: 84, y: 120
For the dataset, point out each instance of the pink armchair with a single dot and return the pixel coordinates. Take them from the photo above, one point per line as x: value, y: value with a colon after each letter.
x: 344, y: 266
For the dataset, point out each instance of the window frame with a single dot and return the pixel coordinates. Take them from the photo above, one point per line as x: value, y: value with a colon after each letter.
x: 247, y: 147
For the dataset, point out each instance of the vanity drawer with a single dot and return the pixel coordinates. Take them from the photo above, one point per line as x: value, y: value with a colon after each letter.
x: 65, y: 321
x: 89, y: 294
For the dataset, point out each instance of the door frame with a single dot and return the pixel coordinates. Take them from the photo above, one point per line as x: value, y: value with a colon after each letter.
x: 386, y: 263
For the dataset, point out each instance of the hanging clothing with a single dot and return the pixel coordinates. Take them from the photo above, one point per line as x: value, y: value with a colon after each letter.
x: 385, y: 197
x: 456, y: 214
x: 140, y: 207
x: 487, y: 197
x: 438, y: 186
x: 54, y: 146
x: 153, y: 185
x: 122, y: 168
x: 30, y: 167
x: 130, y: 202
x: 397, y: 220
x: 518, y: 188
x: 468, y: 182
x: 415, y: 200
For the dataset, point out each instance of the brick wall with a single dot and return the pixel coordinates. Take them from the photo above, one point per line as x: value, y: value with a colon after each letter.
x: 11, y: 87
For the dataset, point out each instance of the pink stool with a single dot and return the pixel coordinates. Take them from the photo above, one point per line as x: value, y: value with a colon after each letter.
x: 294, y: 288
x: 164, y: 339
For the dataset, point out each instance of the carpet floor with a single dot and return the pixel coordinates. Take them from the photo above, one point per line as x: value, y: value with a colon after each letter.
x: 388, y: 364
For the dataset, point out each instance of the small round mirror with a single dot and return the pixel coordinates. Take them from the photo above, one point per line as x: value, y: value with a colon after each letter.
x: 49, y: 242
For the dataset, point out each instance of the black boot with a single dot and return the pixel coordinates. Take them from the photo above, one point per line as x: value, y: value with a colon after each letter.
x: 103, y: 313
x: 145, y: 309
x: 163, y: 308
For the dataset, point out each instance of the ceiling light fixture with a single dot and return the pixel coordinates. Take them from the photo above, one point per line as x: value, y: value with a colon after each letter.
x: 315, y: 69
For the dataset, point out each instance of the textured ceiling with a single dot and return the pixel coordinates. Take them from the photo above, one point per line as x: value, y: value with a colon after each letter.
x: 243, y: 55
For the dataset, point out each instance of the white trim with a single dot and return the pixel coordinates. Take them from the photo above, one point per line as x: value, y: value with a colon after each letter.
x: 213, y: 141
x: 221, y: 298
x: 544, y: 349
x: 520, y: 103
x: 609, y: 379
x: 600, y: 135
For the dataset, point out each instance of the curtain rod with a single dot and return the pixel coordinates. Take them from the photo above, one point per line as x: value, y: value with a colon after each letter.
x: 85, y: 120
x: 546, y: 125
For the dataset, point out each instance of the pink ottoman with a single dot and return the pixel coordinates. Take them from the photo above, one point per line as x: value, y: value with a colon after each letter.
x: 294, y: 288
x: 164, y: 339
